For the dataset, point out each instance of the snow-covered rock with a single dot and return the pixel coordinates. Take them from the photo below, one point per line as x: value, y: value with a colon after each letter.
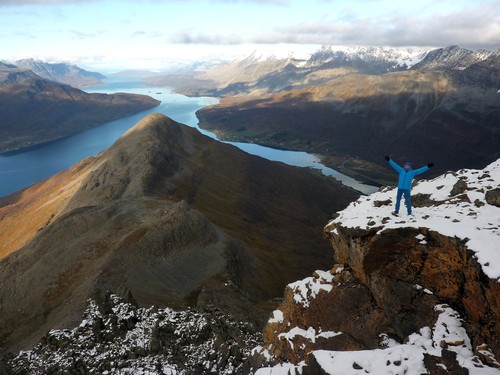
x: 446, y: 339
x: 417, y: 294
x: 117, y: 337
x: 458, y: 204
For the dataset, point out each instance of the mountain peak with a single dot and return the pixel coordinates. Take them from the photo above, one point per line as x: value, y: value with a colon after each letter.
x: 137, y: 163
x: 452, y: 57
x: 173, y: 216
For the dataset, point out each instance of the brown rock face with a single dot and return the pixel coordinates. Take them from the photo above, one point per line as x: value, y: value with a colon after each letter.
x: 396, y: 267
x: 167, y: 215
x: 342, y: 316
x: 387, y: 283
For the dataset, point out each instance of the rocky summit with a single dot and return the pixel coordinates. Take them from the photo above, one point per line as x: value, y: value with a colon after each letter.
x: 165, y: 215
x: 415, y: 294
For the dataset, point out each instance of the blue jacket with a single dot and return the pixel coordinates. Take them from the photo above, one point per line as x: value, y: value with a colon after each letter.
x: 406, y: 177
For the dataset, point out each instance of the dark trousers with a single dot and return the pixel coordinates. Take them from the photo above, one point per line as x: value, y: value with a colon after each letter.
x: 407, y: 195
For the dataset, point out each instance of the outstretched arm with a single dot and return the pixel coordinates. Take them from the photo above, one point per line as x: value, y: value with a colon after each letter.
x: 424, y: 168
x: 394, y: 165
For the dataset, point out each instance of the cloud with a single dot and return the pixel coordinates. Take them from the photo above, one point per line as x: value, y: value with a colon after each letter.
x: 473, y: 27
x: 190, y: 37
x: 79, y: 35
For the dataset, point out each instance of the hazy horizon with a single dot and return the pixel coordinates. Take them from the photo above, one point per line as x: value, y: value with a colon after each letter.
x: 153, y: 34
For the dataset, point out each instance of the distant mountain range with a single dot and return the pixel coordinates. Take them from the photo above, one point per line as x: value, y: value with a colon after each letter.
x: 62, y: 72
x: 355, y: 105
x: 35, y: 110
x: 277, y: 73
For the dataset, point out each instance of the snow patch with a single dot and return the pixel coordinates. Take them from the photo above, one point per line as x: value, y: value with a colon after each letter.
x: 277, y: 317
x: 397, y: 358
x: 307, y: 289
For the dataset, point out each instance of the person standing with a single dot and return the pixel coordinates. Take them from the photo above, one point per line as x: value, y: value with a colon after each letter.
x: 406, y: 175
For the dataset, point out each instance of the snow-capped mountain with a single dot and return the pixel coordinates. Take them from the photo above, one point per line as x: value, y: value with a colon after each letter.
x: 374, y: 60
x: 452, y: 57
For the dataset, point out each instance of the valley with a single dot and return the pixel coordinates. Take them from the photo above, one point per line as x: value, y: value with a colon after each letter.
x: 334, y: 106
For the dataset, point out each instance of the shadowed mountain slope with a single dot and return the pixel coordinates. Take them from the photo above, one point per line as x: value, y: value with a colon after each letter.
x: 172, y: 216
x: 449, y: 117
x: 35, y: 110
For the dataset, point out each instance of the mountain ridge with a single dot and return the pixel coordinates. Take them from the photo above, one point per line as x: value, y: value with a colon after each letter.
x: 167, y: 214
x: 61, y: 72
x: 410, y: 294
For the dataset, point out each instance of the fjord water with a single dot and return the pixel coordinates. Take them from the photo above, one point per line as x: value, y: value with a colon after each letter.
x: 21, y: 169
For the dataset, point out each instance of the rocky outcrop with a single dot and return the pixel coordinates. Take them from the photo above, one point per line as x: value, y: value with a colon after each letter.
x: 403, y: 278
x: 116, y: 336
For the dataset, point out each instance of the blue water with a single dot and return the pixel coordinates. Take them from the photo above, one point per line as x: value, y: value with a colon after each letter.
x: 19, y: 170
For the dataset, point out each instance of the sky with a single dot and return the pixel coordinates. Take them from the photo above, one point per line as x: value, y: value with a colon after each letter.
x: 154, y: 34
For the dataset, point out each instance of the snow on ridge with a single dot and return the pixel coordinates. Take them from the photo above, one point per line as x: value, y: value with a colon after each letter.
x: 396, y: 358
x: 471, y: 219
x: 299, y: 55
x: 277, y: 317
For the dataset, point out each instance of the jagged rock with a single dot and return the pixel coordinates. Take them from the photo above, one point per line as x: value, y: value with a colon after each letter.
x: 459, y: 188
x: 393, y: 263
x: 444, y: 365
x: 331, y: 310
x: 161, y: 340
